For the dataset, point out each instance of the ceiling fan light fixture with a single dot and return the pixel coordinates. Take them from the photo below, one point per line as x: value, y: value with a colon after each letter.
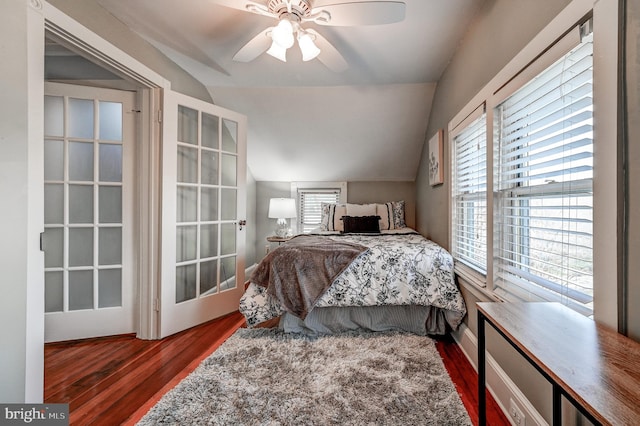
x: 307, y: 46
x: 278, y: 51
x: 282, y: 34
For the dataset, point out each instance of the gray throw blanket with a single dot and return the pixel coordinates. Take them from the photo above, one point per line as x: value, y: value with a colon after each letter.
x: 299, y: 272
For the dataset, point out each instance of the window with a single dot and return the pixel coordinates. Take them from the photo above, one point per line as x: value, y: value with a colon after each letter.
x: 310, y: 206
x: 469, y: 194
x: 310, y: 196
x: 544, y: 178
x: 523, y: 172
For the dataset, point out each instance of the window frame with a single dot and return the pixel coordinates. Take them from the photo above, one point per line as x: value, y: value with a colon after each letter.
x: 541, y: 52
x: 529, y: 256
x: 310, y: 186
x: 463, y: 266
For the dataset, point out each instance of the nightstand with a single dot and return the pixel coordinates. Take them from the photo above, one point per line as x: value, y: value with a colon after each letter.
x: 278, y: 240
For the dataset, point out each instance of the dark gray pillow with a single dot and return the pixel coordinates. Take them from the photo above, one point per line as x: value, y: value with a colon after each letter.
x: 361, y: 224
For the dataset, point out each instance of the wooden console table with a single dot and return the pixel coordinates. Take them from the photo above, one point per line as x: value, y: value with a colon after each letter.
x: 594, y: 367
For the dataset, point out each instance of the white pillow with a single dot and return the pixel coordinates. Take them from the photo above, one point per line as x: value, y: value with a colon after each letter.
x: 361, y: 210
x: 341, y: 210
x: 385, y: 211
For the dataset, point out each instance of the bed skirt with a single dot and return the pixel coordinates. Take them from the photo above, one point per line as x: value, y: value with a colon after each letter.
x: 420, y: 320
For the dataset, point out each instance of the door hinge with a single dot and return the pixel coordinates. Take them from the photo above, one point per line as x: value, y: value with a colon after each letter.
x: 42, y: 241
x: 159, y: 116
x: 156, y: 305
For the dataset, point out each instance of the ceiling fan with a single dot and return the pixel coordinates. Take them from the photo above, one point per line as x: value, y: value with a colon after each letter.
x: 293, y: 14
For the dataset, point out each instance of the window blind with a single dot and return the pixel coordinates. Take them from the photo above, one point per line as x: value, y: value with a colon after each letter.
x: 544, y: 180
x: 469, y: 195
x: 310, y: 206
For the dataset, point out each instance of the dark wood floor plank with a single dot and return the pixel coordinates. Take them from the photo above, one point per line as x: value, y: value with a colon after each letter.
x: 116, y: 380
x: 465, y: 379
x: 110, y: 356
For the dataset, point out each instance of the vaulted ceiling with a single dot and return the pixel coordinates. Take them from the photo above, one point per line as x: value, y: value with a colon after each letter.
x: 307, y: 122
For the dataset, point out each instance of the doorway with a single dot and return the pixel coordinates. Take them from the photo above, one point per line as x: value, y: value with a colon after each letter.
x: 93, y: 117
x: 169, y: 292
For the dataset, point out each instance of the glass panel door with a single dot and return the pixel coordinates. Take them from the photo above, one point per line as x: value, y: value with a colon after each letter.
x: 88, y: 136
x: 205, y: 233
x: 205, y: 146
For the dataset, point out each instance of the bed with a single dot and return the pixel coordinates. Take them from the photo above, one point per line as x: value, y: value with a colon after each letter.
x: 345, y: 277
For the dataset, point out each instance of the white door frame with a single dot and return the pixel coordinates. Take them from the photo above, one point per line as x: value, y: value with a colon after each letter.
x: 68, y: 31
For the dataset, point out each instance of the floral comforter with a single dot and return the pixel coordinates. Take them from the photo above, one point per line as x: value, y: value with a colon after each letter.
x: 397, y: 269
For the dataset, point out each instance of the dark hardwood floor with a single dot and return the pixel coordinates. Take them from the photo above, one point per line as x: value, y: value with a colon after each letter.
x: 465, y: 378
x: 106, y: 380
x: 115, y: 380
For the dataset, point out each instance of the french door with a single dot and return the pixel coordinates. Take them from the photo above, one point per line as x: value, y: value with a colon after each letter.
x: 88, y: 238
x: 204, y: 206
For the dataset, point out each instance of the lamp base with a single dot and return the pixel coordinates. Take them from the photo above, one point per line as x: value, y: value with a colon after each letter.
x: 282, y: 230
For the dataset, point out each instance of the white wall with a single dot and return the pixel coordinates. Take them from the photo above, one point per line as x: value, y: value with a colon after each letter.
x: 382, y: 192
x: 21, y: 218
x: 265, y: 226
x: 101, y: 22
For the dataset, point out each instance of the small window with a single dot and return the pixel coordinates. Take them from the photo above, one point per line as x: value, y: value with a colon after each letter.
x: 310, y: 206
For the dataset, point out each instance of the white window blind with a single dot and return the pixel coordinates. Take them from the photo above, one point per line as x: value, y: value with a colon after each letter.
x: 469, y: 195
x: 544, y: 179
x: 310, y: 203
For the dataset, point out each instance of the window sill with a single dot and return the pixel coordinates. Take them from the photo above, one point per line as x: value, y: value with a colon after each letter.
x: 475, y: 282
x: 470, y: 275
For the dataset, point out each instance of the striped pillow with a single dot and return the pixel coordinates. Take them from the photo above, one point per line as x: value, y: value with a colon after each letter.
x: 331, y: 215
x: 391, y: 215
x: 385, y: 212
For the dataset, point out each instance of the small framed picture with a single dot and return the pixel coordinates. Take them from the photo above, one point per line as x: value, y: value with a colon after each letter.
x: 436, y: 167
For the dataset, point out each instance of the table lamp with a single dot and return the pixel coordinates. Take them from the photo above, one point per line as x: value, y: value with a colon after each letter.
x: 282, y: 209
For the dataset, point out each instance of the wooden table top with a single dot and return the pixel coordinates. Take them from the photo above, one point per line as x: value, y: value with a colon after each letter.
x: 275, y: 239
x: 597, y: 366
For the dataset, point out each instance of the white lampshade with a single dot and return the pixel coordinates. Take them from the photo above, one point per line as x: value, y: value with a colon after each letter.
x: 307, y: 47
x: 280, y: 208
x: 278, y: 51
x: 282, y: 34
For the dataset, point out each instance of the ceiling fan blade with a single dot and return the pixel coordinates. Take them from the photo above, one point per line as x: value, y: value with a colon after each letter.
x: 255, y: 47
x: 361, y: 13
x: 241, y: 4
x: 329, y: 55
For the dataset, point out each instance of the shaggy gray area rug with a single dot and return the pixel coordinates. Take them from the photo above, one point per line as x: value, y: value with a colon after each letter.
x: 267, y: 377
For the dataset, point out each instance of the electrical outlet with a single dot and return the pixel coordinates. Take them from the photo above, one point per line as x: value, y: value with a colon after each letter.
x: 517, y: 416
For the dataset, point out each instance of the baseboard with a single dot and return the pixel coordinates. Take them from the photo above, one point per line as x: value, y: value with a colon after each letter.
x: 499, y: 383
